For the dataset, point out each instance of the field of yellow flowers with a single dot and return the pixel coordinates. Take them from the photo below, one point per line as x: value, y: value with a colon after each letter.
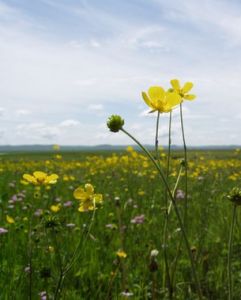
x: 92, y: 226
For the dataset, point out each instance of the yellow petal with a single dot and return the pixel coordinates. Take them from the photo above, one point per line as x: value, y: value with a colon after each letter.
x: 89, y: 188
x: 40, y: 176
x: 121, y: 254
x: 173, y: 99
x: 189, y: 97
x: 30, y: 178
x: 156, y: 93
x: 98, y: 198
x: 55, y: 208
x: 9, y: 219
x: 175, y: 84
x: 51, y: 179
x: 146, y: 99
x: 187, y: 87
x: 79, y: 194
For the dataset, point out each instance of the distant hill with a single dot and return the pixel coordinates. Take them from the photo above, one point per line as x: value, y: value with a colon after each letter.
x: 49, y: 148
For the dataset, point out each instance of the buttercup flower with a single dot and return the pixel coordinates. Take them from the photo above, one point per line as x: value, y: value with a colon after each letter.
x: 40, y: 178
x: 159, y: 100
x: 88, y: 199
x: 183, y: 92
x: 121, y: 254
x: 55, y: 208
x: 9, y: 219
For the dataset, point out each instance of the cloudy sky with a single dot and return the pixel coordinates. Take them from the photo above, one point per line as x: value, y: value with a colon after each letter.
x: 66, y: 65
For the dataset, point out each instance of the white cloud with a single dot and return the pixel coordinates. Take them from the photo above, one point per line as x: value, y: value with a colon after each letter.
x: 23, y: 112
x: 69, y: 123
x: 101, y: 68
x: 2, y: 111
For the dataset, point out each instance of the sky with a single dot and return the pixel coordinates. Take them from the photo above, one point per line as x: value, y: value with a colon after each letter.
x: 67, y: 65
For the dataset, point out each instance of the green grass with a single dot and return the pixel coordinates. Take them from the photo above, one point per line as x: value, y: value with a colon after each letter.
x: 98, y: 273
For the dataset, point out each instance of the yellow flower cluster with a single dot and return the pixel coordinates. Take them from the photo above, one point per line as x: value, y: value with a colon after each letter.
x: 40, y: 178
x: 88, y: 199
x: 164, y: 101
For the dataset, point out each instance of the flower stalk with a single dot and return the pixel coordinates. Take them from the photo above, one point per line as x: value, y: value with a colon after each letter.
x: 195, y: 277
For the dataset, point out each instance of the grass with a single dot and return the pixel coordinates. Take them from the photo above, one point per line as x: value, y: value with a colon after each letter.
x: 36, y: 249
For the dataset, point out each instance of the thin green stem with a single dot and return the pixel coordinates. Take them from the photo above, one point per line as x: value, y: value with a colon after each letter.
x: 186, y: 166
x: 230, y: 248
x: 166, y: 264
x: 77, y: 253
x: 175, y: 209
x: 156, y: 138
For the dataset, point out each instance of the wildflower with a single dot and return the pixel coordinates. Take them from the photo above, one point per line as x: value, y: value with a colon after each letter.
x: 43, y: 295
x: 38, y: 212
x: 27, y: 269
x: 138, y: 219
x: 3, y: 230
x: 235, y: 196
x: 121, y: 254
x: 56, y: 147
x: 88, y: 199
x: 51, y: 249
x: 126, y: 294
x: 153, y: 266
x: 159, y: 100
x: 70, y: 225
x: 68, y: 204
x: 55, y: 208
x: 183, y: 92
x: 40, y: 178
x: 9, y: 219
x: 115, y: 123
x: 180, y: 194
x: 154, y: 253
x: 111, y: 226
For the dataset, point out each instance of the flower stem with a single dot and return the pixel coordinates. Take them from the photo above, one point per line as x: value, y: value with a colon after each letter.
x: 185, y: 158
x: 77, y: 252
x: 166, y: 266
x: 156, y: 138
x: 175, y: 209
x: 230, y: 248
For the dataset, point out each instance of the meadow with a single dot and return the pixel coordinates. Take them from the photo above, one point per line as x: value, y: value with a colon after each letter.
x: 122, y: 248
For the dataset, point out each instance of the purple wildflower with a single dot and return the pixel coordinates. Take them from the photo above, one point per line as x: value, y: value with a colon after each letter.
x: 138, y: 219
x: 3, y: 230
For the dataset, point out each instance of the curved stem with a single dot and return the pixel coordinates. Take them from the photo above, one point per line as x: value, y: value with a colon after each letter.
x: 230, y: 248
x: 175, y: 209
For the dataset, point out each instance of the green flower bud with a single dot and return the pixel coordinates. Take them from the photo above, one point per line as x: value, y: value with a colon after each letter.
x: 115, y: 123
x: 235, y: 196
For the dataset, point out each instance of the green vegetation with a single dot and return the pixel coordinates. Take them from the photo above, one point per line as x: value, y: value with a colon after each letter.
x: 115, y: 258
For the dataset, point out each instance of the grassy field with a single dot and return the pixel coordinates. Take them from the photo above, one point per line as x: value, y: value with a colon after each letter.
x: 125, y: 248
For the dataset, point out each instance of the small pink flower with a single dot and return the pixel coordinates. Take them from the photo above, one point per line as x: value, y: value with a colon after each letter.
x: 180, y: 194
x: 3, y: 230
x: 138, y: 219
x: 68, y: 204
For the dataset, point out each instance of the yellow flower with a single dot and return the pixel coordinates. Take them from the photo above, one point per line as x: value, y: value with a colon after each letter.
x: 159, y: 100
x: 40, y: 178
x: 55, y: 208
x: 9, y: 219
x: 121, y: 254
x: 56, y: 147
x: 183, y: 92
x: 87, y: 198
